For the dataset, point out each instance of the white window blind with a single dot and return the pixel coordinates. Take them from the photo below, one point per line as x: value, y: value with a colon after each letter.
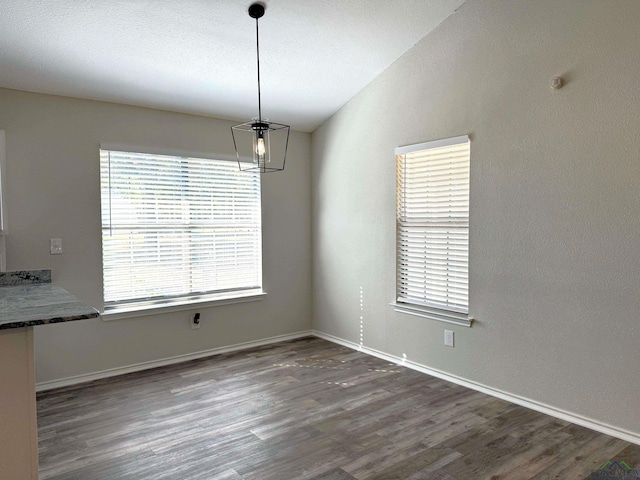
x: 433, y: 224
x: 176, y: 227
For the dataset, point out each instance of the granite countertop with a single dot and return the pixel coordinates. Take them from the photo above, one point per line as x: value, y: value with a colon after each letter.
x: 28, y: 298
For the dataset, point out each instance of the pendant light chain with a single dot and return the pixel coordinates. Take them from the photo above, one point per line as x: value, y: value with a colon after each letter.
x: 258, y: 61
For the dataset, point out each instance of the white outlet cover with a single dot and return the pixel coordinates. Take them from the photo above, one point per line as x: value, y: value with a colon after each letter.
x: 448, y: 338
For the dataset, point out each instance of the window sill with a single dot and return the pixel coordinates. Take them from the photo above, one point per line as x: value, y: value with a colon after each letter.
x: 178, y: 306
x: 434, y: 314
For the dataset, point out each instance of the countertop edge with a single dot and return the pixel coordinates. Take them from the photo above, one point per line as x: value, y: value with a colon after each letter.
x: 47, y: 321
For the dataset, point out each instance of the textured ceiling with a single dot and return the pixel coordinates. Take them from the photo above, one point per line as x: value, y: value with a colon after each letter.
x: 198, y: 56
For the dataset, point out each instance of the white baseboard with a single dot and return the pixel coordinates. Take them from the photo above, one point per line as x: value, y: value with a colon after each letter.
x: 509, y: 397
x: 112, y: 372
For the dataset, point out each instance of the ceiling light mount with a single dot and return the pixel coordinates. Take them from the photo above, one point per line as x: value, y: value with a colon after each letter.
x: 265, y: 136
x: 256, y: 10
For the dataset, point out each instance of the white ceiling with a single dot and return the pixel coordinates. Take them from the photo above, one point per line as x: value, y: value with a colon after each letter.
x: 198, y: 56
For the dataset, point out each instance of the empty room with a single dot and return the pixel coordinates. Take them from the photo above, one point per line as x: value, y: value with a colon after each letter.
x: 319, y: 240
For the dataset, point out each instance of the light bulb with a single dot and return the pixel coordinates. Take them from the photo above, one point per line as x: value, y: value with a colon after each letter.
x: 260, y: 147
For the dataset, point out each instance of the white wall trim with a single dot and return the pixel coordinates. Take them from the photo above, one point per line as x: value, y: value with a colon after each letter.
x: 436, y: 314
x: 113, y: 372
x: 445, y: 142
x: 194, y: 303
x: 167, y: 151
x: 509, y: 397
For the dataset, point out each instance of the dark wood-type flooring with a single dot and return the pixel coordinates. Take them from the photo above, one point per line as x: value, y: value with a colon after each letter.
x: 306, y: 409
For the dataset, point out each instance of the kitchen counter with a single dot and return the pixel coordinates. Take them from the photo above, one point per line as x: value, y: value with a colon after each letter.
x: 38, y: 304
x: 27, y: 299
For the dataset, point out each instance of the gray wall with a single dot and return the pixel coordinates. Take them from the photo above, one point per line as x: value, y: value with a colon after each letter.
x: 555, y: 202
x: 53, y: 187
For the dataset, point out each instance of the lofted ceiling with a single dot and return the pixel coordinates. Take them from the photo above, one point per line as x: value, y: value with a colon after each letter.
x: 198, y: 56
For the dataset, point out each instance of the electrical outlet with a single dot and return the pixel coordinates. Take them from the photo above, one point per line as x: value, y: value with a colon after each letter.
x: 55, y: 246
x: 195, y: 321
x: 448, y: 338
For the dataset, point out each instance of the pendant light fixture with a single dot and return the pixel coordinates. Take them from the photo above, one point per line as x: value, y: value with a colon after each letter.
x: 260, y: 140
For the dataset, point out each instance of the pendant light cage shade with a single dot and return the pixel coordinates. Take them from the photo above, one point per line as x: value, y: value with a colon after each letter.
x: 261, y: 146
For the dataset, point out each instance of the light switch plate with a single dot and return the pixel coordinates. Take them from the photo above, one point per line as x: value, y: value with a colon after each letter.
x: 56, y: 246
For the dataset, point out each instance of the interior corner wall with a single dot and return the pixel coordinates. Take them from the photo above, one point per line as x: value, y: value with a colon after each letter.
x: 53, y: 191
x: 555, y: 208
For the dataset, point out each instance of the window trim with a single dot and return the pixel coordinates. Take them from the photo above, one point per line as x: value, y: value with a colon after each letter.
x: 424, y: 311
x: 186, y: 302
x: 446, y: 316
x: 3, y: 194
x: 445, y: 142
x: 189, y: 303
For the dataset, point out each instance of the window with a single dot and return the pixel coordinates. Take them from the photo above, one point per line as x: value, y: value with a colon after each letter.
x: 433, y: 229
x: 2, y: 185
x: 176, y: 229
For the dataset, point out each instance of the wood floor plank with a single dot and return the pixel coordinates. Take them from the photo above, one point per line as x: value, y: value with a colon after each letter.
x: 304, y: 410
x: 335, y: 474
